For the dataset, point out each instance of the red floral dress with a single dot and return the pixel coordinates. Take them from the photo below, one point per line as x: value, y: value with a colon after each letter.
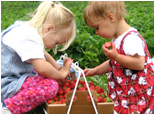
x: 132, y: 90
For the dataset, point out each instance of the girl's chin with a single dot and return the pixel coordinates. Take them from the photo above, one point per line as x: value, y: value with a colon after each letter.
x: 48, y: 48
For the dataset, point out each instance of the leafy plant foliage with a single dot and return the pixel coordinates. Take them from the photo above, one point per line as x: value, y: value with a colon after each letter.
x: 87, y: 47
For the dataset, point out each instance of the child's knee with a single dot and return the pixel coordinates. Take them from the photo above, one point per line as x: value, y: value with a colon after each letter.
x: 53, y: 87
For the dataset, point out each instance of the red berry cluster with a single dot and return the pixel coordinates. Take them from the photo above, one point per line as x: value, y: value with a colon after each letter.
x: 68, y: 85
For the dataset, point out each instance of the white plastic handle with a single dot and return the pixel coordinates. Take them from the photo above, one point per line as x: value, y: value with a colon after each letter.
x: 81, y: 72
x: 63, y: 56
x: 76, y: 66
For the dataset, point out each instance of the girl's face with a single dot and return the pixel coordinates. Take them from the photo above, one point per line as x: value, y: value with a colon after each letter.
x: 104, y: 28
x: 51, y: 39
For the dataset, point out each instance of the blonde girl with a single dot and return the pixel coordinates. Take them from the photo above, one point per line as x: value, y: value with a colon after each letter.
x: 130, y: 68
x: 28, y: 72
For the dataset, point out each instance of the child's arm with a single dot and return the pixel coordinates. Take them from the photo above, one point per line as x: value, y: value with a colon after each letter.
x: 50, y: 59
x: 99, y: 70
x: 132, y: 62
x: 103, y: 68
x: 48, y: 70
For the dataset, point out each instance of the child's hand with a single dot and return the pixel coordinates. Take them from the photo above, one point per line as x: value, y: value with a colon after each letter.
x: 112, y: 53
x: 88, y: 72
x: 108, y: 44
x: 66, y: 66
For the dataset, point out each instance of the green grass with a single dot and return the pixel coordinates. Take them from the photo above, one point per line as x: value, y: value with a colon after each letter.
x: 141, y: 16
x: 15, y: 10
x: 87, y: 46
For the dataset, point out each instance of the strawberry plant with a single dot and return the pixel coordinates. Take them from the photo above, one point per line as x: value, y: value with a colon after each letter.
x: 87, y: 47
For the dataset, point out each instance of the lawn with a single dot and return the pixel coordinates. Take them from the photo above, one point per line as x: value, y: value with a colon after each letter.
x: 86, y: 49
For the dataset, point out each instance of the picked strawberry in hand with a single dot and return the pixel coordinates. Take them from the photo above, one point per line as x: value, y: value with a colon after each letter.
x: 108, y: 44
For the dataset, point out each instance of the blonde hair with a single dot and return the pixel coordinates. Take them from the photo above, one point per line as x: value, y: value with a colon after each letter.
x: 100, y: 9
x: 58, y: 15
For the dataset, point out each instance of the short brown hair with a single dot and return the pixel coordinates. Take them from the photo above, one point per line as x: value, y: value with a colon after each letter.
x: 100, y: 9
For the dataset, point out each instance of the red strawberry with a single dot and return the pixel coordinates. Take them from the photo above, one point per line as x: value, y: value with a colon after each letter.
x: 81, y: 82
x: 102, y: 90
x: 98, y: 100
x: 64, y: 88
x: 60, y: 102
x: 63, y: 100
x: 64, y: 96
x: 60, y: 92
x: 99, y: 89
x: 67, y: 81
x: 75, y: 80
x: 102, y: 93
x: 63, y: 80
x: 56, y: 102
x: 67, y: 90
x: 66, y: 84
x: 92, y: 87
x: 104, y: 100
x: 72, y: 85
x: 55, y: 98
x: 101, y: 99
x: 49, y: 101
x: 108, y: 44
x: 61, y: 97
x: 60, y: 84
x: 85, y: 86
x: 89, y: 98
x: 74, y: 97
x: 81, y: 89
x: 90, y: 83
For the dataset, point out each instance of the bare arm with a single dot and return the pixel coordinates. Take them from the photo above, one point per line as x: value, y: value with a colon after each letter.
x: 50, y: 59
x: 99, y: 70
x: 103, y: 68
x: 132, y: 62
x: 48, y: 70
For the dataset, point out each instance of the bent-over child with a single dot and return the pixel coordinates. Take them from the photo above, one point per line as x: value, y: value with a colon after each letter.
x: 28, y: 72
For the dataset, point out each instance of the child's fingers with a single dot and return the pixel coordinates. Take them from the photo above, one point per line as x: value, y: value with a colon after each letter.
x: 67, y: 62
x: 84, y: 72
x: 81, y: 75
x: 113, y: 46
x: 66, y: 59
x: 69, y: 75
x: 105, y: 49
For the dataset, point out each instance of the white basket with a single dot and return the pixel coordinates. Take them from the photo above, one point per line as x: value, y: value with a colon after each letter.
x: 76, y: 65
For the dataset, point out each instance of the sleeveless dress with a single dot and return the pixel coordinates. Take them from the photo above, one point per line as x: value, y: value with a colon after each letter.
x: 132, y: 90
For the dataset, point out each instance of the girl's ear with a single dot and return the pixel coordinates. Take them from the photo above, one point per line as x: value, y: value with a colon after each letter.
x: 111, y: 17
x: 49, y: 28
